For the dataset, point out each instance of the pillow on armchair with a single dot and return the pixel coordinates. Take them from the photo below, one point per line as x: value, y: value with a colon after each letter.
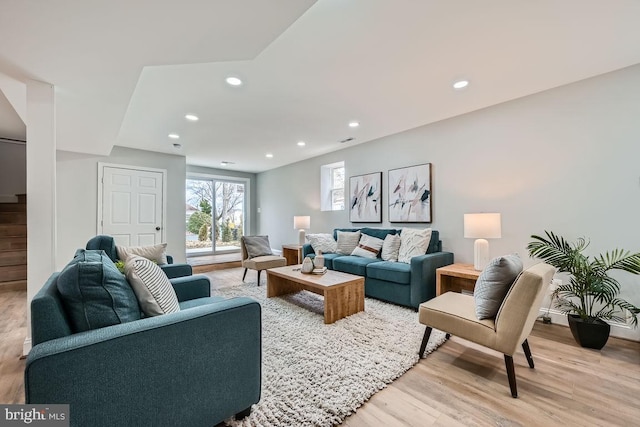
x: 151, y: 286
x: 157, y: 253
x: 94, y: 293
x: 257, y: 246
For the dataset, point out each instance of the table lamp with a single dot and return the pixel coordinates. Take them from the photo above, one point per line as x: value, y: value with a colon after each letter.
x: 301, y: 223
x: 482, y: 226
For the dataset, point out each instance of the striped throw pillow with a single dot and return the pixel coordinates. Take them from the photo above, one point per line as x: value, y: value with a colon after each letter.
x: 368, y: 247
x: 152, y: 287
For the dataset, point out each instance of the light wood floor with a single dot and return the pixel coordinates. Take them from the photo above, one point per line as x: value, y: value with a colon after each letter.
x: 460, y: 384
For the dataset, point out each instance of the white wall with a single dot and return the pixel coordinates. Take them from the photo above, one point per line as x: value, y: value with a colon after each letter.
x: 13, y: 169
x: 565, y: 160
x: 77, y: 190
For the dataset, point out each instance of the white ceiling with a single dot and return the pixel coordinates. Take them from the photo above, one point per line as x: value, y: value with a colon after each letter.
x: 126, y: 71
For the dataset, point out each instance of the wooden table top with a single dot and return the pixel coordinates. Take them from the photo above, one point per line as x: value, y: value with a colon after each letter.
x: 329, y: 279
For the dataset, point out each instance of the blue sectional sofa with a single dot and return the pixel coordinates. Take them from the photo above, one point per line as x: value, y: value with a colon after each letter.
x: 195, y: 367
x: 396, y: 282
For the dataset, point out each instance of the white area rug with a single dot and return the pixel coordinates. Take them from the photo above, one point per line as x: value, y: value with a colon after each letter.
x: 315, y: 374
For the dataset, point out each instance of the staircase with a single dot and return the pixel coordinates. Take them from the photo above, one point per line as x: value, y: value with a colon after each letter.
x: 13, y: 245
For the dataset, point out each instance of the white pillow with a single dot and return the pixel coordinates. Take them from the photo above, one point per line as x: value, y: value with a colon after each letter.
x: 157, y: 253
x: 413, y: 242
x: 368, y: 247
x: 390, y: 247
x: 322, y: 242
x: 152, y: 287
x: 347, y: 241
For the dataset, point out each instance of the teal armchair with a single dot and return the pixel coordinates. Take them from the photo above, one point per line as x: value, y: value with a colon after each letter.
x: 195, y: 367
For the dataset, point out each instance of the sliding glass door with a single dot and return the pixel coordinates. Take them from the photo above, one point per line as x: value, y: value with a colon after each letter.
x: 215, y: 215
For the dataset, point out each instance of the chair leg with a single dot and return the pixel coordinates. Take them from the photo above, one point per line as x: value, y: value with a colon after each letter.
x: 527, y: 352
x: 511, y: 373
x: 244, y: 275
x: 425, y: 340
x: 259, y: 277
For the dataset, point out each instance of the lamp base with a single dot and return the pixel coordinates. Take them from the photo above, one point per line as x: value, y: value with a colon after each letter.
x: 301, y: 237
x: 480, y: 254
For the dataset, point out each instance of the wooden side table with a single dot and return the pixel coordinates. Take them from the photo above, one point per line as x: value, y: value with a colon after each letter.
x: 456, y: 277
x: 292, y: 253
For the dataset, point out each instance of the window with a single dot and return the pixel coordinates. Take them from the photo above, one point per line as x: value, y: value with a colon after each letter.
x: 332, y: 187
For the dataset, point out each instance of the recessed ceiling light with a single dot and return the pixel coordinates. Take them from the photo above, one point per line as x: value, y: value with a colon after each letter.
x: 354, y: 124
x: 233, y: 81
x: 460, y: 84
x: 173, y: 136
x: 191, y: 117
x: 301, y: 143
x: 177, y: 146
x: 269, y: 156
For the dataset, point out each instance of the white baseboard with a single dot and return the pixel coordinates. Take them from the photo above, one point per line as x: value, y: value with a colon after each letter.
x: 618, y: 330
x: 26, y: 346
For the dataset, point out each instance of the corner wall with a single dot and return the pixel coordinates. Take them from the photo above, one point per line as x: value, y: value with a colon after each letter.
x: 564, y: 160
x: 77, y: 190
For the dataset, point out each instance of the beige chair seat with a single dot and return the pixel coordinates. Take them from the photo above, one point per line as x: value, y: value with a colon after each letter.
x: 455, y: 314
x: 259, y: 263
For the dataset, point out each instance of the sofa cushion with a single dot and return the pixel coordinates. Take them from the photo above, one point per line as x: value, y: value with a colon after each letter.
x: 328, y: 260
x: 347, y: 241
x: 353, y: 264
x: 368, y: 246
x: 494, y: 283
x: 322, y: 242
x: 152, y: 287
x: 390, y: 247
x: 94, y: 293
x: 380, y: 233
x: 396, y: 272
x: 413, y: 242
x: 257, y: 246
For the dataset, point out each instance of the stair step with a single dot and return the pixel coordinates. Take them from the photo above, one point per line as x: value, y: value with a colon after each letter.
x: 22, y: 198
x: 13, y: 272
x: 14, y: 285
x: 13, y: 258
x: 13, y: 243
x: 13, y: 230
x: 13, y: 217
x: 13, y: 207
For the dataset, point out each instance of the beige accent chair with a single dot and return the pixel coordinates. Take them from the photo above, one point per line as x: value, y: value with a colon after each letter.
x: 259, y: 263
x: 454, y: 313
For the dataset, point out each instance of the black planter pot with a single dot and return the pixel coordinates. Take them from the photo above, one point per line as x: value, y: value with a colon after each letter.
x: 589, y: 335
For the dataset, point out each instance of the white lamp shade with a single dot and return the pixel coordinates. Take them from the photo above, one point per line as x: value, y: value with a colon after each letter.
x: 482, y: 226
x: 301, y: 222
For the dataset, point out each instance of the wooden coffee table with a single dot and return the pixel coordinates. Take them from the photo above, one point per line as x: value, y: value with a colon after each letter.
x: 343, y: 293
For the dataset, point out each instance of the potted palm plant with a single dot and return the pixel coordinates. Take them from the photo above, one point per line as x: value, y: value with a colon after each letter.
x: 591, y: 295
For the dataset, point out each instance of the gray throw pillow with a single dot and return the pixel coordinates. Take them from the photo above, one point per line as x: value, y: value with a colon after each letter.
x: 347, y: 241
x: 257, y: 246
x: 494, y: 283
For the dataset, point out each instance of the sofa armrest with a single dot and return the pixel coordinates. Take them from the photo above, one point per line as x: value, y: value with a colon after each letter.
x: 176, y: 270
x: 195, y: 367
x: 423, y: 275
x: 191, y: 287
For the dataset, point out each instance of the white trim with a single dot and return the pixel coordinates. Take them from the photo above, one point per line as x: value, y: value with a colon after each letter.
x: 247, y: 193
x: 26, y: 346
x: 618, y: 330
x: 102, y: 165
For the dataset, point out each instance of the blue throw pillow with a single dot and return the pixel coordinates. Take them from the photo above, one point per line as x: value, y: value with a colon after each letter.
x: 94, y: 293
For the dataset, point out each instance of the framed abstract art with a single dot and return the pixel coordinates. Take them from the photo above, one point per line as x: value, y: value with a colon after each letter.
x: 410, y: 194
x: 365, y: 198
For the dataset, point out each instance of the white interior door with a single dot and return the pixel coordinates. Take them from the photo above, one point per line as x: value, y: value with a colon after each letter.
x: 132, y: 205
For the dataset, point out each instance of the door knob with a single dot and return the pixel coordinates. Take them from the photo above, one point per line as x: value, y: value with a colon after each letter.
x: 157, y: 228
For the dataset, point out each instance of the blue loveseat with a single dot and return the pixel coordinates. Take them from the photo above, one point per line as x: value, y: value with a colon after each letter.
x: 195, y: 367
x: 396, y: 282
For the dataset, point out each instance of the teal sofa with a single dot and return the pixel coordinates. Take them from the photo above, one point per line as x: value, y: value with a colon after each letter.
x: 195, y: 367
x: 404, y: 284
